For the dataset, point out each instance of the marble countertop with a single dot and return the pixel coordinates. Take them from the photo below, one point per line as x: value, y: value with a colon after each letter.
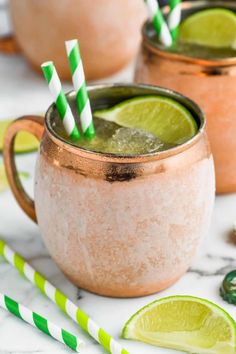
x: 22, y: 91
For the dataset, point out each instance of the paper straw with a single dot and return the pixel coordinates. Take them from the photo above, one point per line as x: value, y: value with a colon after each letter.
x: 66, y: 305
x: 159, y: 23
x: 174, y: 17
x: 82, y: 100
x: 36, y: 320
x: 60, y: 100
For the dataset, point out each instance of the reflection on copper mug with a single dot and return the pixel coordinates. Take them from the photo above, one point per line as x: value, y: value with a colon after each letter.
x: 118, y: 225
x: 211, y: 83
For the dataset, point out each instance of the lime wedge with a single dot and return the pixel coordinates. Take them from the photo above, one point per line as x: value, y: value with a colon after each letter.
x: 163, y: 117
x: 24, y: 142
x: 3, y: 178
x: 211, y: 28
x: 184, y: 323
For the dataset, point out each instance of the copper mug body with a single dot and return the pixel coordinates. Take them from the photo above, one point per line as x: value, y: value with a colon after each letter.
x: 118, y: 225
x: 210, y: 83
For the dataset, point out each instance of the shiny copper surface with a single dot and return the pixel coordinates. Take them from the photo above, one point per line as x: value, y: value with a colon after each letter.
x: 211, y: 83
x: 115, y: 225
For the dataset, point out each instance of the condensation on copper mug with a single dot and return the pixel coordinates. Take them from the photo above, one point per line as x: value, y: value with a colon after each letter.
x: 119, y: 225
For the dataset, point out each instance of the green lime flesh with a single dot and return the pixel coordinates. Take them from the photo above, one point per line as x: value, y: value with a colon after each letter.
x: 25, y: 142
x: 164, y: 117
x: 186, y: 323
x: 212, y: 27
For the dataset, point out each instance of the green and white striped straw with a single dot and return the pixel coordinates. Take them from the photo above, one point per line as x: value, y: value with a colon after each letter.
x: 159, y: 22
x: 82, y: 99
x: 66, y: 305
x: 60, y: 100
x: 174, y: 17
x: 40, y: 322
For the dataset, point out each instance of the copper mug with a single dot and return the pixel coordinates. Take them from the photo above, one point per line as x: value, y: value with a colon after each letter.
x: 108, y: 32
x: 117, y: 225
x: 211, y: 83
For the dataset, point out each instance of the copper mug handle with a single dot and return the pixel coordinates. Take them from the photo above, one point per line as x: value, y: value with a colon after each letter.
x: 35, y: 126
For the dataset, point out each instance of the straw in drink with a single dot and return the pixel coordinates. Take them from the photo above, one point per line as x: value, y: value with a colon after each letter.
x: 174, y: 17
x: 78, y: 78
x: 159, y: 22
x: 59, y: 97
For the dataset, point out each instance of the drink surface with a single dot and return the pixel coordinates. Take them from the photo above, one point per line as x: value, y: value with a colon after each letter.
x: 140, y: 125
x: 198, y: 51
x: 205, y: 34
x: 113, y: 138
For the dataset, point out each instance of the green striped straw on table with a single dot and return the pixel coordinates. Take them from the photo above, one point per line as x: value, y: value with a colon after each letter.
x: 159, y: 22
x: 40, y: 322
x: 66, y: 305
x: 78, y: 78
x: 174, y: 17
x: 60, y: 100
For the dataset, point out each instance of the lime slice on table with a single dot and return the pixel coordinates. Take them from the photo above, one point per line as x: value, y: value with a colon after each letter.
x: 161, y: 116
x: 3, y: 178
x: 212, y: 28
x: 184, y: 323
x: 24, y: 142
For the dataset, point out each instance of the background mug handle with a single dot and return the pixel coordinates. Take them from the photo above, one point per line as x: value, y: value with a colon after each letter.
x: 8, y: 45
x: 35, y: 126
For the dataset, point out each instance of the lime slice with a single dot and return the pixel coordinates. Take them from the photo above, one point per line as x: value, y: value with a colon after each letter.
x: 211, y: 28
x: 24, y: 142
x: 3, y: 178
x: 184, y: 323
x: 163, y: 117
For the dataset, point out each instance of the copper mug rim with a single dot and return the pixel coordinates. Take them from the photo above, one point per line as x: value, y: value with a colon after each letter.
x: 160, y: 50
x: 116, y: 158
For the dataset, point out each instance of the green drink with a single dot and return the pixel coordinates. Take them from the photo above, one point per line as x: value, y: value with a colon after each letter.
x: 205, y: 34
x: 113, y: 138
x: 203, y: 52
x: 139, y: 125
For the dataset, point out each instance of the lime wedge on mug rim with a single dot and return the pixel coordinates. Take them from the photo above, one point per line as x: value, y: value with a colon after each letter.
x: 212, y: 28
x: 163, y: 117
x: 184, y: 323
x: 25, y: 142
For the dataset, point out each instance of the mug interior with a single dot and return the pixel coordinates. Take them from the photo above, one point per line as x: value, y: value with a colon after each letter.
x: 104, y: 96
x: 188, y: 8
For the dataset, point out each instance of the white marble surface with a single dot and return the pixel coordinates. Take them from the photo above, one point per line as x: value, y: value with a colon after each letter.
x: 22, y: 91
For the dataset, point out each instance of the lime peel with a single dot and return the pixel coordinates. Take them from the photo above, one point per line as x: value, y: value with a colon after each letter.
x: 3, y: 178
x: 164, y: 117
x: 25, y: 142
x: 185, y: 323
x: 212, y: 28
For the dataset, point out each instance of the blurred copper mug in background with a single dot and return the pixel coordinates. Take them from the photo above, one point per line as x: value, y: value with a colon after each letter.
x: 7, y: 43
x: 108, y: 32
x: 211, y: 83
